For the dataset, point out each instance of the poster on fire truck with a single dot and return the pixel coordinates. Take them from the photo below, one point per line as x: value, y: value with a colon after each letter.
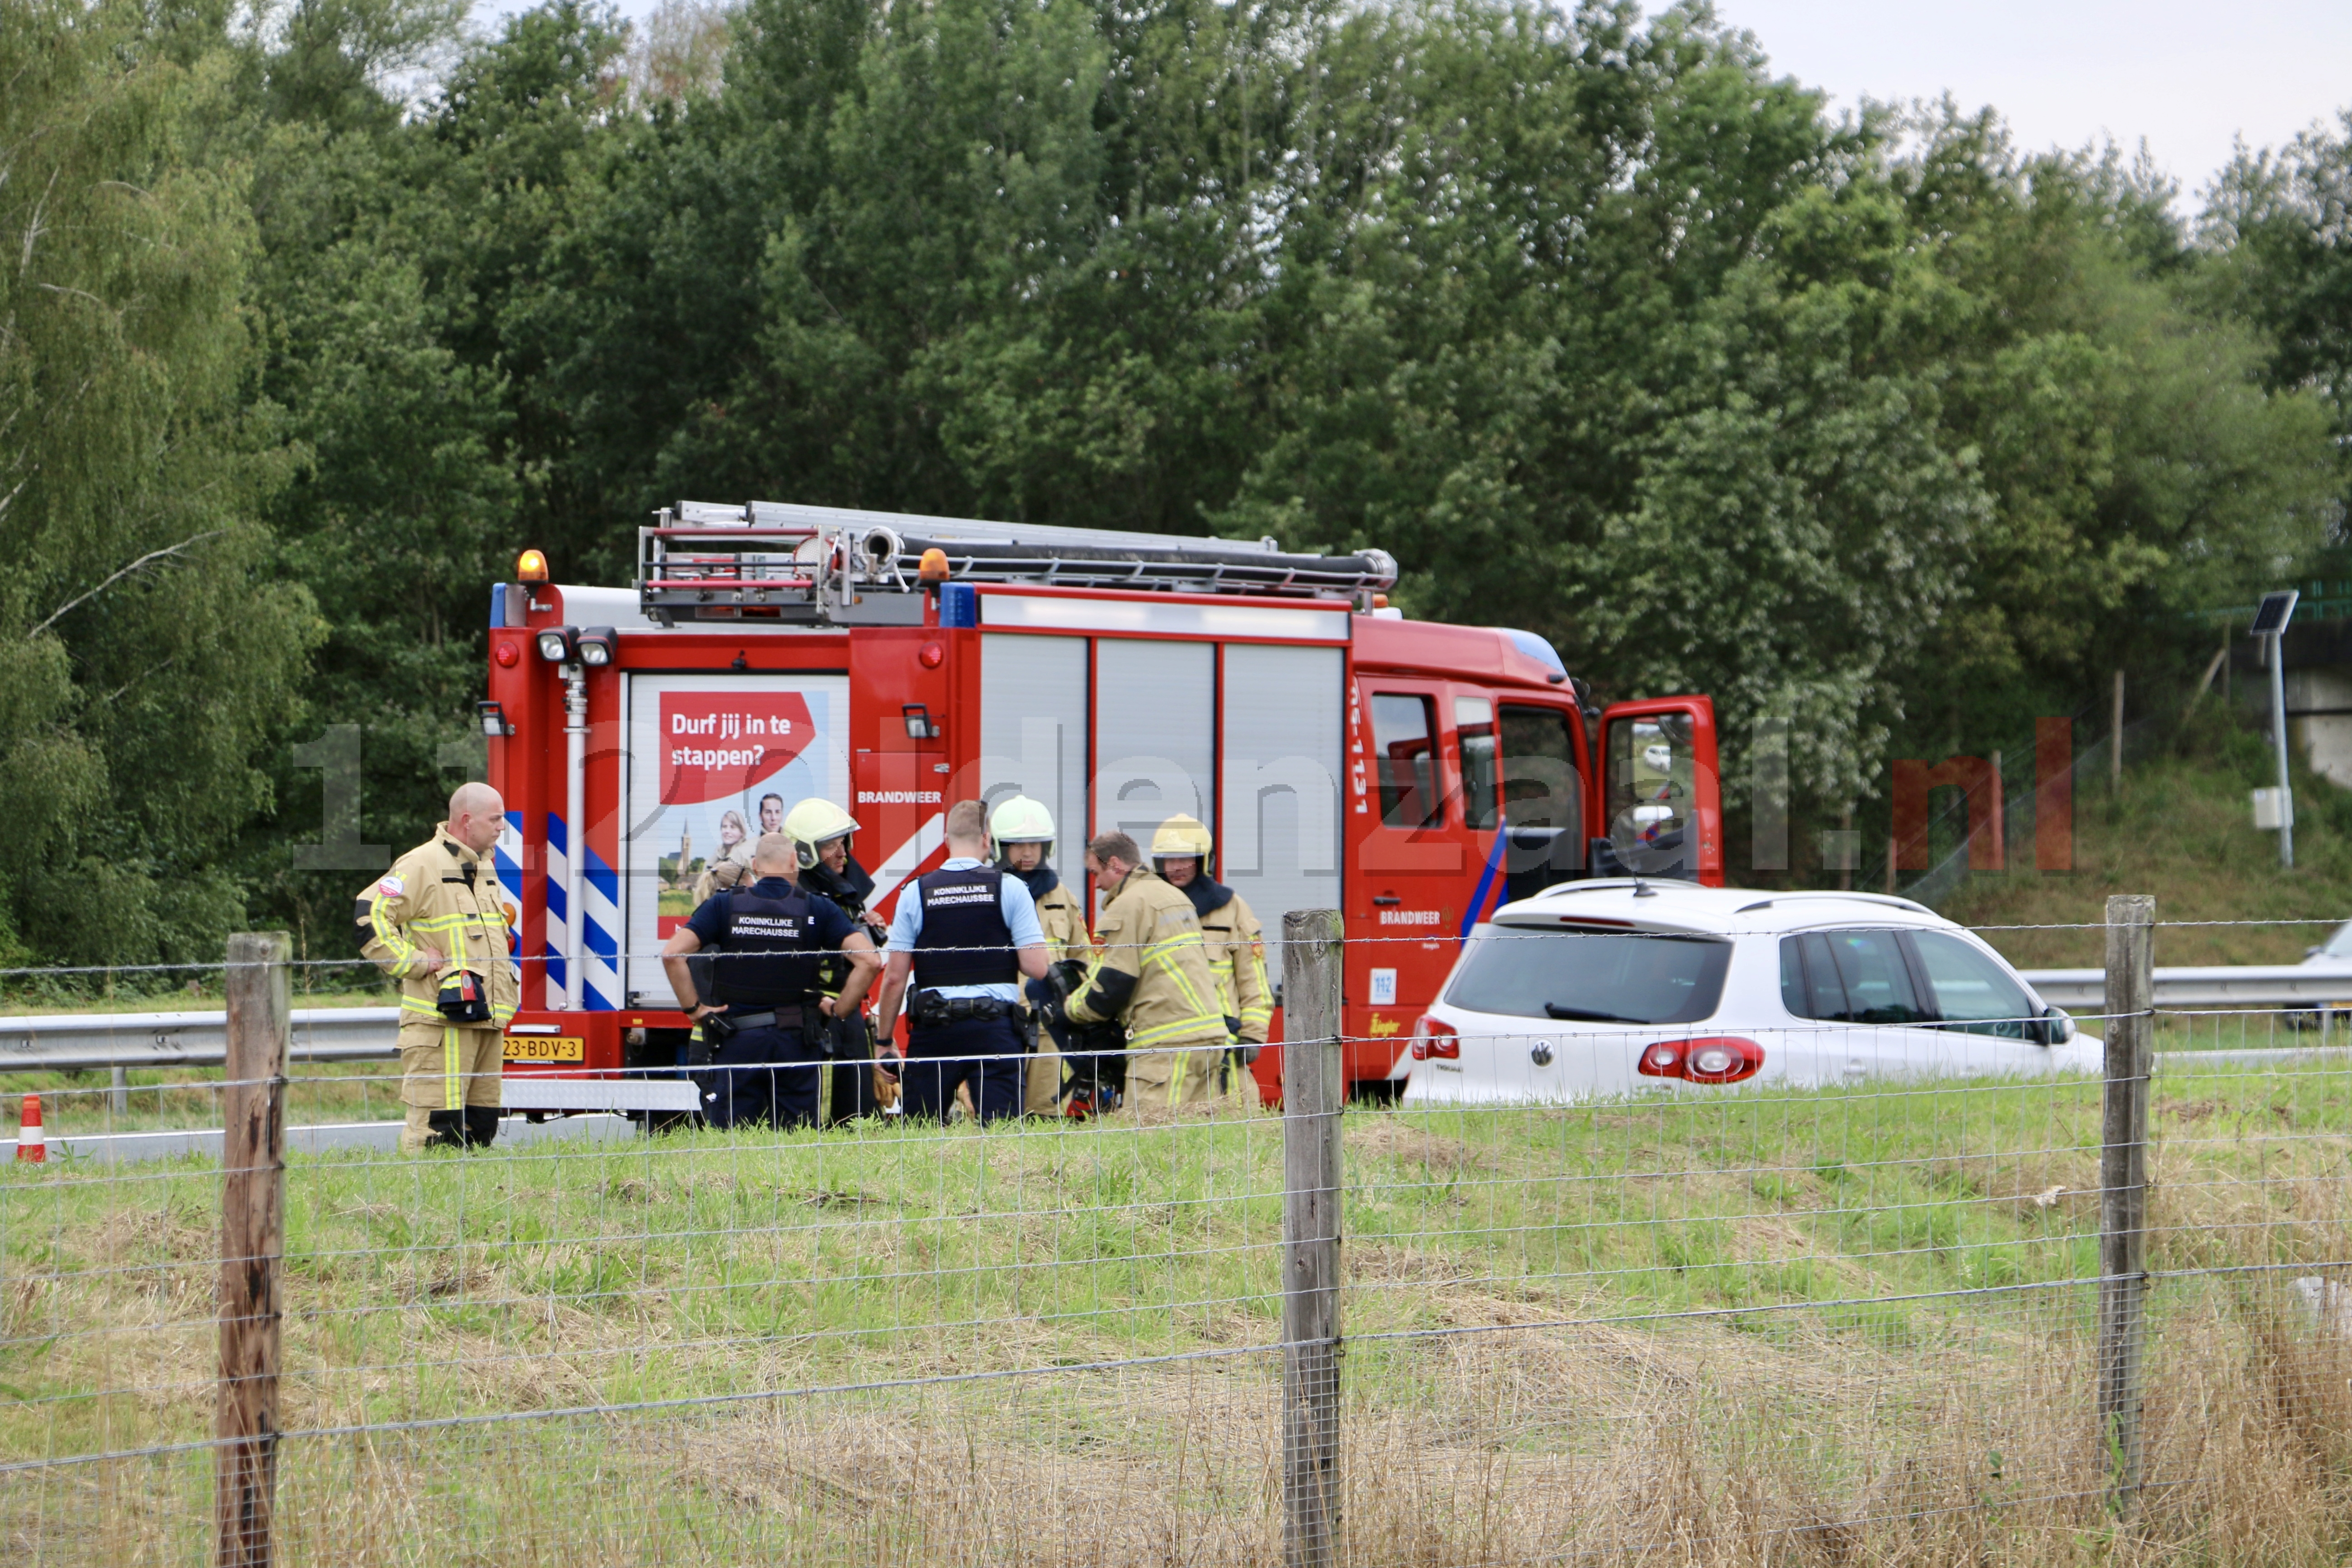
x: 714, y: 761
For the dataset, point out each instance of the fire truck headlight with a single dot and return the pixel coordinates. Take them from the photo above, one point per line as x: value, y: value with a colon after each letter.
x: 596, y: 645
x: 556, y: 644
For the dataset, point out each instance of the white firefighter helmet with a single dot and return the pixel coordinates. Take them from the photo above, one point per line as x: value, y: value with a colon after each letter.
x: 1180, y: 837
x: 814, y: 823
x: 1021, y: 820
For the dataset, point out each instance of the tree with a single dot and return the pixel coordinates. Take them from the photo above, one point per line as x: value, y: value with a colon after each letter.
x: 2279, y: 225
x: 145, y: 658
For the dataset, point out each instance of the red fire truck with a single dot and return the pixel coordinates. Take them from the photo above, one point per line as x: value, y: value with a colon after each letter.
x: 1413, y: 775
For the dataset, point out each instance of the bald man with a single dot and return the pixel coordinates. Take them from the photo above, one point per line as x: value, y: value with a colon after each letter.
x: 433, y: 922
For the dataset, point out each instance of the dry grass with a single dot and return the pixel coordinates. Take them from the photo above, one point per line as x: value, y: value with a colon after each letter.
x: 1655, y: 1333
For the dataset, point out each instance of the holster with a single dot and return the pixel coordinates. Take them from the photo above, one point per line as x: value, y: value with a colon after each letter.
x: 850, y: 1039
x: 825, y: 1034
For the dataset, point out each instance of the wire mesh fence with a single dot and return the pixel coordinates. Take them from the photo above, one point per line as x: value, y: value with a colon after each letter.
x: 1848, y: 1321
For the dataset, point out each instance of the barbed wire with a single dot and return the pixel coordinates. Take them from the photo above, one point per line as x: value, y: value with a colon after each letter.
x: 1271, y: 935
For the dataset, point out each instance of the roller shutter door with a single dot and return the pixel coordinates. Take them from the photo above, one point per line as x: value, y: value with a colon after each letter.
x: 1284, y: 737
x: 1033, y: 733
x: 1155, y: 735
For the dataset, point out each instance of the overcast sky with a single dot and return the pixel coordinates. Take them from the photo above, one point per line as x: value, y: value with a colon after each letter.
x: 2186, y: 75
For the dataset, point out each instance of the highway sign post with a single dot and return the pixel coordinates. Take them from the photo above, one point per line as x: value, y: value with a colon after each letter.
x: 2270, y: 621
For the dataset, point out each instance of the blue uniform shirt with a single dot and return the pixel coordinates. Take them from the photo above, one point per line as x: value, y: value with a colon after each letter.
x: 1020, y: 913
x: 826, y: 923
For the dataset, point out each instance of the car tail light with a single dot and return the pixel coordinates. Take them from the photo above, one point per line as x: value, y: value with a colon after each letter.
x: 1432, y: 1038
x: 1711, y: 1058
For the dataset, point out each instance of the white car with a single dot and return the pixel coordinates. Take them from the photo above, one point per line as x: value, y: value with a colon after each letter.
x: 1606, y: 987
x: 2333, y: 956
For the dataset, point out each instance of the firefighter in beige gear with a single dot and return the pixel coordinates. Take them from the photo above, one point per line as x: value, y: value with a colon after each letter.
x: 1180, y: 853
x: 433, y: 922
x: 1024, y: 831
x: 1151, y: 975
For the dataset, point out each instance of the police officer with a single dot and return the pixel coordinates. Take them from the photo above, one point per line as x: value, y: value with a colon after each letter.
x: 1024, y: 831
x: 1152, y: 974
x: 1180, y: 853
x: 964, y: 935
x: 433, y: 922
x: 767, y: 939
x: 821, y: 834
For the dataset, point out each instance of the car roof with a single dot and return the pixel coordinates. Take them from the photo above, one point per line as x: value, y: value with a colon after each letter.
x: 1652, y: 904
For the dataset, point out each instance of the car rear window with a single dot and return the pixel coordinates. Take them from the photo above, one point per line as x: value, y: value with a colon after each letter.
x: 1592, y: 976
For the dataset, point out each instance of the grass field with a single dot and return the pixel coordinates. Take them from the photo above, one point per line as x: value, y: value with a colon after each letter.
x: 1772, y: 1328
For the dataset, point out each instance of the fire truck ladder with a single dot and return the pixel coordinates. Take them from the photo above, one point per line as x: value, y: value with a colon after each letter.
x: 824, y: 566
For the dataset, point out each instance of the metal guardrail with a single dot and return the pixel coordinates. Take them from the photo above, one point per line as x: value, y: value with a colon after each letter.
x: 64, y: 1042
x: 2216, y: 986
x: 59, y: 1042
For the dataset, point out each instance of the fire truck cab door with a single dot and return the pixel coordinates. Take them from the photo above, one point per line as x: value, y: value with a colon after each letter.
x: 1413, y: 867
x: 1540, y: 770
x: 1660, y: 807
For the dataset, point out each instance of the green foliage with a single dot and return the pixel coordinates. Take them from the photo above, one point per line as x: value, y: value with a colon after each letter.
x: 1599, y: 326
x: 2277, y: 226
x: 146, y: 656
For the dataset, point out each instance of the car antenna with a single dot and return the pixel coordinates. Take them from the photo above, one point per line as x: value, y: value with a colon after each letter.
x: 1642, y: 889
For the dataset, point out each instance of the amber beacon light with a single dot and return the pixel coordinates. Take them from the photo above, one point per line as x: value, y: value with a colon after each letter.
x: 530, y: 567
x: 933, y: 567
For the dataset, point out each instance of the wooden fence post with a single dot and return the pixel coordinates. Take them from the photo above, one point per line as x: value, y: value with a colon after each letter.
x: 252, y: 1242
x: 2122, y: 1187
x: 1314, y: 1087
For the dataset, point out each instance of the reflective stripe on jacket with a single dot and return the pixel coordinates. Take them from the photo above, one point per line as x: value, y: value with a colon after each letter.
x: 443, y: 896
x: 1150, y: 930
x: 1064, y: 919
x: 1237, y: 958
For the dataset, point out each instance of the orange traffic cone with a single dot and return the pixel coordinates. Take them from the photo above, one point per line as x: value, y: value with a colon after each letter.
x: 32, y: 1143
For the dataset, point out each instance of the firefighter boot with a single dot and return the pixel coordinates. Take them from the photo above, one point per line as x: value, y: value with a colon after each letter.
x: 481, y: 1125
x: 448, y: 1130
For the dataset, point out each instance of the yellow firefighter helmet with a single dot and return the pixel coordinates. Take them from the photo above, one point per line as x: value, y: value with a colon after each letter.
x: 1021, y: 820
x: 1178, y: 837
x: 815, y: 822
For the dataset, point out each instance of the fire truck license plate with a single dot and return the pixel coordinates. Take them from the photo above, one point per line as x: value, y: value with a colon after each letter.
x: 546, y: 1049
